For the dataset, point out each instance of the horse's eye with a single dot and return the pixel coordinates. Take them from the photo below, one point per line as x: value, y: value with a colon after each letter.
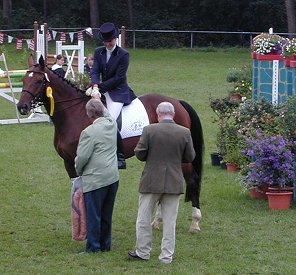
x: 38, y: 82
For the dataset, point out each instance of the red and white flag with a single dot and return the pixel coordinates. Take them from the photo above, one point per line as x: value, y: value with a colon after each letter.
x: 32, y: 45
x: 19, y: 43
x: 1, y: 37
x: 80, y: 36
x: 63, y: 37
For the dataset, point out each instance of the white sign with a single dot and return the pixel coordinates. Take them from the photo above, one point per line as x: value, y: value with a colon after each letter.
x: 275, y: 81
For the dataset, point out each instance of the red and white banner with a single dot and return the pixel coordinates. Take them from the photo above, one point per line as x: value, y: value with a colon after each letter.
x: 80, y: 36
x: 63, y: 37
x: 1, y: 37
x: 19, y: 43
x: 32, y: 45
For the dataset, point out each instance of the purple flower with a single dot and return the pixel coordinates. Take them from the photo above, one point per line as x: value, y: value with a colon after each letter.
x: 272, y: 160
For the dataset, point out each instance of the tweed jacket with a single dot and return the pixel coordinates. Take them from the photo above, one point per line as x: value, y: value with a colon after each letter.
x: 96, y: 160
x: 111, y: 76
x: 164, y: 146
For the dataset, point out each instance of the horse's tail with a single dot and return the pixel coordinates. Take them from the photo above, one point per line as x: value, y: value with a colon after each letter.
x: 193, y: 187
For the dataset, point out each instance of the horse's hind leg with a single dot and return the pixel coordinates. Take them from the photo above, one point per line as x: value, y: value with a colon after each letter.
x: 196, y: 217
x: 193, y: 194
x: 158, y: 218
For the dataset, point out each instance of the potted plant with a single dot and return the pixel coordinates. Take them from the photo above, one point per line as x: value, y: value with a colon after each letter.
x: 271, y: 163
x: 234, y: 144
x: 268, y: 44
x: 242, y: 83
x: 289, y: 48
x: 223, y: 109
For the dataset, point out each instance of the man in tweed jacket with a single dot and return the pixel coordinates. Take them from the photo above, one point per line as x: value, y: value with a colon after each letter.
x: 164, y: 146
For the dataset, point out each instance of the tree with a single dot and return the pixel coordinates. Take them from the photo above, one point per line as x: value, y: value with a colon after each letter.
x: 6, y: 13
x: 290, y: 9
x: 94, y: 13
x: 130, y: 13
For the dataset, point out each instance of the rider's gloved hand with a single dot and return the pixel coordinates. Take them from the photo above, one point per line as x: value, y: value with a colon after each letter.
x: 88, y: 92
x: 96, y: 93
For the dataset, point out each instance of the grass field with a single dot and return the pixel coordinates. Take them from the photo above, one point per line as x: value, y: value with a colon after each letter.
x: 239, y: 235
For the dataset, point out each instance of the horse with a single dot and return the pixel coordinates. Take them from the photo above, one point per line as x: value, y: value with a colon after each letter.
x: 65, y: 104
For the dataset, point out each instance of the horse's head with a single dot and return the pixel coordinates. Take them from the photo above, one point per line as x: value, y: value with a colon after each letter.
x: 34, y: 85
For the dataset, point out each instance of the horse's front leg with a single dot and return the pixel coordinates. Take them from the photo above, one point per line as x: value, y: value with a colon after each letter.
x: 70, y: 168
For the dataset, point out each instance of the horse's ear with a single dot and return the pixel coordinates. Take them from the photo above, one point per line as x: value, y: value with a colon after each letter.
x: 41, y: 61
x: 30, y: 61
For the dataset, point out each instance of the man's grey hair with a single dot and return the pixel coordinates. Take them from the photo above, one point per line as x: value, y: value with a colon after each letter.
x: 165, y: 108
x: 95, y: 108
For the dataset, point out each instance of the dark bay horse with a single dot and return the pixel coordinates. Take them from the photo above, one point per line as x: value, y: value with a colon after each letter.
x: 66, y: 106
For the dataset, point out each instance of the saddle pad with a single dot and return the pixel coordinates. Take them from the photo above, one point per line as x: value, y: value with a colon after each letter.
x: 134, y: 119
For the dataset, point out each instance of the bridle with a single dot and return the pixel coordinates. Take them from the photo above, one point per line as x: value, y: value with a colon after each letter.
x: 38, y: 100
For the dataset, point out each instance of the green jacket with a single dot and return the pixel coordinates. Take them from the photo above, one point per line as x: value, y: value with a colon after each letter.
x: 164, y: 146
x: 96, y: 160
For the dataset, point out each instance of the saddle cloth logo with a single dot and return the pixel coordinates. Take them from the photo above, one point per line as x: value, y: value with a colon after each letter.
x: 134, y: 119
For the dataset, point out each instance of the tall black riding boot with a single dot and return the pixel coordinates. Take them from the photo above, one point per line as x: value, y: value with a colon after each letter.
x: 120, y: 155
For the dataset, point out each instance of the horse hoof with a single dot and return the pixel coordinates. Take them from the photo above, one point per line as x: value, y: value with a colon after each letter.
x: 194, y: 227
x: 195, y: 230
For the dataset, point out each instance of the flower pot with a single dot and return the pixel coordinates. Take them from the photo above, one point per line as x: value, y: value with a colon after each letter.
x: 215, y: 159
x: 276, y: 189
x: 279, y: 200
x: 236, y: 97
x: 231, y: 167
x: 257, y: 194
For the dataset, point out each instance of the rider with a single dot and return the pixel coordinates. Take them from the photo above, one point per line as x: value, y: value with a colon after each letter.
x: 108, y: 77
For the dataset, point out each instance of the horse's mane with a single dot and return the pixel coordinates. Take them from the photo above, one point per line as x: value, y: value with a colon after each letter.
x: 66, y: 81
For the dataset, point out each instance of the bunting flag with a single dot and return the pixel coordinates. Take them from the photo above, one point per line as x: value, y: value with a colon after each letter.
x: 28, y: 43
x: 89, y: 32
x: 1, y: 37
x: 32, y: 45
x: 71, y: 35
x: 80, y: 36
x: 19, y: 43
x: 63, y: 37
x: 10, y: 38
x: 54, y: 34
x: 48, y: 36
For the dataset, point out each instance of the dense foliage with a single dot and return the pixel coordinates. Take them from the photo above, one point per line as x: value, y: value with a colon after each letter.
x: 227, y: 15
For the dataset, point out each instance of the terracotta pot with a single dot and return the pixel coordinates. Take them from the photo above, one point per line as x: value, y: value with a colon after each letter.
x: 276, y: 189
x: 257, y: 194
x: 231, y: 167
x: 279, y: 200
x: 236, y: 97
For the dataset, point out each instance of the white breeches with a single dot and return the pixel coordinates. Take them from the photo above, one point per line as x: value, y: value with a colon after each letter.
x: 113, y: 107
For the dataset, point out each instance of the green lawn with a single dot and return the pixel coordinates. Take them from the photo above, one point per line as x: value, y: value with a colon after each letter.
x: 239, y: 235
